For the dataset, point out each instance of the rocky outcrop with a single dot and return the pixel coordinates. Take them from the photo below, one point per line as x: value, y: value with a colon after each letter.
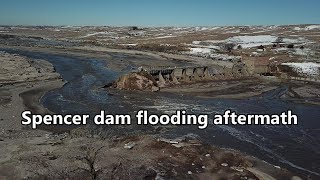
x: 137, y: 81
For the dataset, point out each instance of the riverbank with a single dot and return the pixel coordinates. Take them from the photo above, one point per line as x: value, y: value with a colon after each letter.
x: 21, y: 97
x: 23, y: 82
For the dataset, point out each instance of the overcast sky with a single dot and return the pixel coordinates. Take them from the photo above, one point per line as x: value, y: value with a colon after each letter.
x: 159, y: 12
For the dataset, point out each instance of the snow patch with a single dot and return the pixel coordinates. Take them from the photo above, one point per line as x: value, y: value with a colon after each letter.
x: 264, y: 40
x: 196, y: 42
x: 214, y: 28
x: 297, y: 51
x: 293, y: 41
x: 252, y: 41
x: 305, y: 68
x: 209, y: 53
x: 308, y: 28
x: 198, y: 51
x: 303, y: 52
x: 203, y: 28
x: 162, y: 37
x: 297, y: 29
x: 98, y: 33
x: 235, y: 31
x: 312, y: 27
x: 224, y: 57
x: 128, y: 44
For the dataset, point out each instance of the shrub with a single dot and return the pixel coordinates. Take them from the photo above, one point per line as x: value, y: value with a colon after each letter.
x: 290, y: 46
x: 134, y: 28
x: 228, y: 47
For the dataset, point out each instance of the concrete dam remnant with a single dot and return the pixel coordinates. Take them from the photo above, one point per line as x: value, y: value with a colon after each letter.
x: 153, y: 78
x: 166, y: 75
x: 175, y: 75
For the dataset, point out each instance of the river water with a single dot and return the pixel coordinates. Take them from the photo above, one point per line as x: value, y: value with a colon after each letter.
x: 295, y: 147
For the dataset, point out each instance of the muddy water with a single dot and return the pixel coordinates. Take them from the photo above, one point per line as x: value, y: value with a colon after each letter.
x: 294, y: 147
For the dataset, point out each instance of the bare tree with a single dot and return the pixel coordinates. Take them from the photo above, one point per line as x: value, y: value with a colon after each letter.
x: 89, y: 159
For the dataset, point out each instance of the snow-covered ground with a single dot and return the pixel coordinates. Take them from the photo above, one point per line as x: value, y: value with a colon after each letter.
x: 205, y: 28
x: 312, y: 27
x: 296, y: 51
x: 128, y: 44
x: 305, y: 68
x: 208, y: 47
x: 98, y: 33
x: 205, y: 45
x: 308, y: 28
x: 210, y: 53
x: 200, y: 51
x: 252, y: 41
x: 234, y: 31
x: 162, y: 37
x: 224, y: 57
x: 264, y: 40
x: 303, y: 52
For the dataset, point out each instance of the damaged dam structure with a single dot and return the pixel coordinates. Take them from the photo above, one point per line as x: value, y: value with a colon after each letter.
x: 154, y: 78
x: 190, y: 74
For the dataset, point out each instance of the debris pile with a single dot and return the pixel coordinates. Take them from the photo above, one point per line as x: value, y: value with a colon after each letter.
x: 137, y: 81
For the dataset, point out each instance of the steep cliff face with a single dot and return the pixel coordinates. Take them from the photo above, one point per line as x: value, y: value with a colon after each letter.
x: 137, y: 81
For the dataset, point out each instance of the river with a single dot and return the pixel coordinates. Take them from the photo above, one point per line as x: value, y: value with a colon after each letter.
x: 295, y: 147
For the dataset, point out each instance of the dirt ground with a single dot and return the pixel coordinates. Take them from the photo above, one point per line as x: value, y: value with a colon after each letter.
x: 71, y: 156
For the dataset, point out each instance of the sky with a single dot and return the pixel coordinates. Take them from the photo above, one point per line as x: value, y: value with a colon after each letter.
x: 159, y: 12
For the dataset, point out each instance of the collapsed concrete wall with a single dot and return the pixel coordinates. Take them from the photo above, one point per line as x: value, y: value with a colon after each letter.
x: 153, y: 78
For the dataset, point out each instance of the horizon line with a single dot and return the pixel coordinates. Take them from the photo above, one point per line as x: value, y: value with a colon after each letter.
x: 154, y: 26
